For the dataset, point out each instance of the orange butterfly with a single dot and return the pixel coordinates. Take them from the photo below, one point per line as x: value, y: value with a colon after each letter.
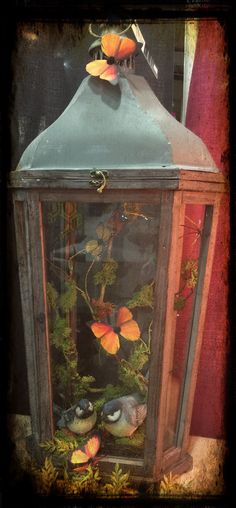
x: 115, y: 48
x: 126, y: 326
x: 79, y: 457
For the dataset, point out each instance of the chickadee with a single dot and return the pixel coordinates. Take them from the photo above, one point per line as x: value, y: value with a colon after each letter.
x: 124, y: 415
x: 80, y: 418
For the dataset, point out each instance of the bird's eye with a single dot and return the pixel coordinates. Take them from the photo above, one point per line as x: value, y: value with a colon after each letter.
x: 114, y: 416
x: 90, y: 406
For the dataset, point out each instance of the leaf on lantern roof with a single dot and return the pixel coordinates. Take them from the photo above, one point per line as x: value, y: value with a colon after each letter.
x: 68, y: 299
x: 142, y: 298
x: 52, y: 295
x: 107, y: 275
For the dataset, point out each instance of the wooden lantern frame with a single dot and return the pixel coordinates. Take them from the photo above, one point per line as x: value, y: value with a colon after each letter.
x: 177, y: 187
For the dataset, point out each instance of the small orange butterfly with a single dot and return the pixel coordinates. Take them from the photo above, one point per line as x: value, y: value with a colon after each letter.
x: 126, y: 326
x: 80, y: 457
x: 115, y: 48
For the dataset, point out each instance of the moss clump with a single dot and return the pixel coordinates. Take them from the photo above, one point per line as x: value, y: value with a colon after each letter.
x: 107, y: 275
x: 142, y: 298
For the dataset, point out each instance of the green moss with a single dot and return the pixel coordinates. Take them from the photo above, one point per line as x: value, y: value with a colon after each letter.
x: 52, y: 296
x: 142, y: 298
x: 107, y: 276
x: 68, y: 299
x: 130, y: 371
x: 110, y: 392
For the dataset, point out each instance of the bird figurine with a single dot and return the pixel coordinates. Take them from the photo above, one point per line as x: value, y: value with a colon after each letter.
x: 80, y: 418
x: 122, y: 416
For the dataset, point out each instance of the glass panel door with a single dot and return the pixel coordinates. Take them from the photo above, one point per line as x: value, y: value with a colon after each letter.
x: 100, y: 270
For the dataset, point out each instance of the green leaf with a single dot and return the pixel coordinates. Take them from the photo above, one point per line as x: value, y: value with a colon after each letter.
x: 119, y: 481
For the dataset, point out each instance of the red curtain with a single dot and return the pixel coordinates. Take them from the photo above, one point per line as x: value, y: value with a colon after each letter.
x: 208, y: 117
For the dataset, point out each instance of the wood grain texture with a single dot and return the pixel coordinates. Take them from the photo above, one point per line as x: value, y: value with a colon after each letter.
x: 40, y: 318
x: 32, y: 287
x: 159, y: 178
x: 23, y: 256
x: 156, y: 409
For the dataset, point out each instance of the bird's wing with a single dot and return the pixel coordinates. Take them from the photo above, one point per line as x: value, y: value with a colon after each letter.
x: 138, y: 414
x: 69, y: 414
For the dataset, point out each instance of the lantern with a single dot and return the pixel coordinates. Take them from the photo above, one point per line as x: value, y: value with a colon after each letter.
x: 116, y: 207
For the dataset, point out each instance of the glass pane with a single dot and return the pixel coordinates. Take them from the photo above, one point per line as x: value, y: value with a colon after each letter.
x: 184, y: 307
x: 100, y: 264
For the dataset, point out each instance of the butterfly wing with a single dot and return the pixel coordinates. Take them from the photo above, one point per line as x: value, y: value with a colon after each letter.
x: 103, y: 232
x: 97, y: 67
x: 100, y: 329
x: 110, y: 74
x: 129, y: 328
x: 110, y: 342
x: 79, y: 457
x: 110, y: 44
x: 119, y: 47
x: 92, y: 446
x: 93, y: 247
x: 109, y: 339
x: 102, y: 69
x: 123, y: 315
x: 126, y: 48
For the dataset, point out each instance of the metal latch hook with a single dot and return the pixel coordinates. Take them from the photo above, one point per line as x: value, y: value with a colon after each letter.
x: 99, y: 179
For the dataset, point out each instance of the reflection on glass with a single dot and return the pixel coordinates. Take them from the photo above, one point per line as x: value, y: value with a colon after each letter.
x: 100, y: 263
x: 184, y: 300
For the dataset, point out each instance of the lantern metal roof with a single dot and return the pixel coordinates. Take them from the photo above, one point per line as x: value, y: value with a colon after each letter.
x: 121, y: 126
